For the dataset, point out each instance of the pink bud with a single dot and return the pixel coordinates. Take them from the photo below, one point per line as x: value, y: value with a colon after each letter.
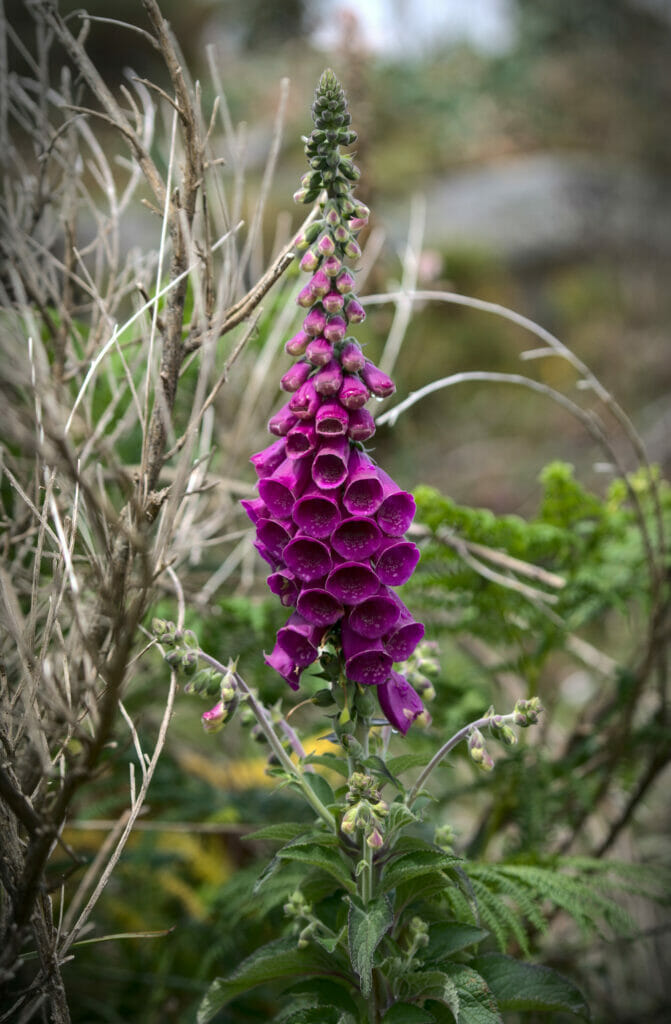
x: 296, y: 346
x: 331, y: 266
x: 379, y: 383
x: 352, y: 249
x: 310, y: 261
x: 351, y: 357
x: 354, y: 311
x: 344, y: 281
x: 319, y: 351
x: 281, y: 423
x: 328, y: 380
x: 305, y: 402
x: 333, y: 302
x: 306, y: 296
x: 335, y: 329
x: 315, y: 321
x: 341, y: 234
x: 319, y: 284
x: 361, y: 425
x: 356, y: 223
x: 295, y: 376
x: 353, y: 393
x: 326, y: 245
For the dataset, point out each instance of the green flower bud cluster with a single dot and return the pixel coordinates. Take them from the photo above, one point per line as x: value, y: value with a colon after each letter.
x: 501, y: 731
x: 478, y: 751
x: 299, y: 910
x: 367, y: 810
x: 444, y: 837
x: 418, y: 932
x: 421, y: 664
x: 527, y: 712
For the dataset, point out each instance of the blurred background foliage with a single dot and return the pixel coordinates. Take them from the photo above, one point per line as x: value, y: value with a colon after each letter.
x: 543, y: 158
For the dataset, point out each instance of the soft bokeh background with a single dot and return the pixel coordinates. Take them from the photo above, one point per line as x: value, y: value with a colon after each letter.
x: 524, y: 146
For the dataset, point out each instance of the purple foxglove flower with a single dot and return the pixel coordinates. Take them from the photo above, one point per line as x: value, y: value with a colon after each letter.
x: 399, y: 702
x: 356, y: 223
x: 396, y: 561
x: 379, y: 383
x: 309, y: 559
x: 404, y: 637
x: 283, y: 584
x: 356, y: 539
x: 361, y: 425
x: 353, y: 394
x: 319, y: 607
x: 306, y: 296
x: 315, y: 322
x: 331, y: 419
x: 329, y: 468
x: 310, y: 261
x: 295, y: 376
x: 287, y: 483
x: 331, y: 265
x: 300, y: 639
x: 266, y: 462
x: 300, y: 440
x: 214, y: 718
x: 363, y: 493
x: 328, y: 380
x: 296, y: 346
x: 282, y: 663
x: 335, y: 329
x: 305, y: 402
x: 267, y: 555
x: 344, y: 281
x: 319, y: 284
x: 256, y: 509
x: 397, y: 509
x: 281, y: 423
x: 366, y: 661
x: 315, y: 513
x: 326, y: 245
x: 333, y: 302
x: 319, y: 351
x: 352, y: 582
x: 274, y: 536
x: 355, y: 313
x: 351, y: 356
x: 376, y: 616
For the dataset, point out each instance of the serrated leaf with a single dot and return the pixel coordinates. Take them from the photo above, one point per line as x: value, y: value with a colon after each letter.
x: 448, y: 938
x: 399, y: 816
x: 323, y: 992
x: 309, y: 1015
x: 378, y: 767
x: 330, y: 943
x: 319, y: 787
x: 365, y: 930
x: 324, y: 858
x: 403, y: 762
x: 477, y: 1004
x: 521, y: 986
x: 269, y: 870
x: 412, y: 865
x: 407, y: 1013
x: 279, y: 959
x: 432, y: 985
x: 284, y: 831
x: 330, y: 761
x: 420, y: 888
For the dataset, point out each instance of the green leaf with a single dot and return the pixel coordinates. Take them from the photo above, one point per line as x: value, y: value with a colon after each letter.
x: 476, y: 1003
x: 421, y: 888
x: 407, y: 1013
x: 269, y: 870
x: 330, y: 943
x: 365, y: 930
x: 330, y: 761
x: 399, y: 816
x: 309, y: 1015
x: 378, y: 768
x: 320, y: 787
x: 323, y: 992
x: 325, y: 858
x: 520, y: 986
x: 279, y: 959
x: 284, y: 831
x: 432, y: 985
x: 412, y: 865
x: 448, y: 938
x: 400, y: 764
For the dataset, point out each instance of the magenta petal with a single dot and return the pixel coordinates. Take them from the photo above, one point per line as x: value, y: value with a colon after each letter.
x: 309, y: 559
x: 319, y: 351
x: 355, y: 313
x: 361, y: 425
x: 352, y: 582
x: 295, y: 376
x: 366, y: 661
x: 329, y: 468
x: 266, y: 462
x: 399, y: 702
x: 329, y: 378
x: 396, y: 561
x: 320, y: 284
x: 333, y: 302
x: 319, y: 607
x: 315, y: 513
x: 406, y: 634
x: 287, y: 483
x: 331, y: 420
x: 357, y: 538
x: 335, y: 329
x: 296, y: 346
x: 397, y: 510
x: 305, y: 402
x: 379, y: 383
x: 364, y: 492
x: 281, y: 423
x: 267, y: 555
x: 351, y: 357
x: 300, y: 440
x: 274, y: 536
x: 300, y: 639
x: 256, y: 509
x: 375, y: 616
x: 331, y: 265
x: 353, y: 393
x: 282, y: 663
x: 315, y: 322
x: 344, y: 281
x: 283, y: 584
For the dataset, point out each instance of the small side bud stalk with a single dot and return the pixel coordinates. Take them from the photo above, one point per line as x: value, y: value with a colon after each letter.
x: 527, y: 712
x: 478, y: 751
x: 444, y: 838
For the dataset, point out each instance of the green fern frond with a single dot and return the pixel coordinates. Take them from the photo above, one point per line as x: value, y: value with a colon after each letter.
x: 505, y: 923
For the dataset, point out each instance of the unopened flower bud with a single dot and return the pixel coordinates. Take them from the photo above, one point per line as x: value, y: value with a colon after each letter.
x: 309, y: 262
x: 374, y: 839
x: 333, y: 302
x: 344, y: 281
x: 306, y: 296
x: 326, y: 245
x: 527, y: 712
x: 331, y: 266
x: 341, y: 234
x: 348, y: 824
x: 352, y: 249
x: 214, y: 719
x: 296, y: 346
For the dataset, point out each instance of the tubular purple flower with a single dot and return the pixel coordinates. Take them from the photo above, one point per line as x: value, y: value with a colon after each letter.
x: 361, y: 425
x: 352, y: 582
x: 366, y: 661
x: 326, y: 245
x: 309, y: 262
x: 274, y: 536
x: 406, y: 634
x: 267, y: 556
x: 300, y: 440
x: 315, y: 322
x: 333, y: 302
x: 355, y: 314
x: 296, y: 346
x: 376, y: 616
x: 300, y: 640
x: 397, y: 509
x: 306, y: 296
x: 255, y: 508
x: 319, y: 607
x: 282, y: 663
x: 363, y: 493
x: 319, y: 351
x: 315, y: 513
x: 353, y: 394
x: 351, y: 356
x: 378, y: 382
x: 356, y: 538
x: 335, y: 329
x: 399, y: 702
x: 331, y: 420
x: 328, y: 380
x: 283, y: 584
x: 266, y: 462
x: 287, y: 483
x: 320, y: 284
x: 344, y: 281
x: 308, y: 558
x: 396, y: 561
x: 329, y: 468
x: 305, y: 402
x: 295, y: 376
x: 331, y: 266
x: 281, y: 423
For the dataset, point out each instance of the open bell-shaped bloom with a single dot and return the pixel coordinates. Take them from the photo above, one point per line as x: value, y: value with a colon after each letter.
x: 283, y: 584
x: 376, y: 616
x: 300, y: 440
x: 287, y: 483
x: 332, y: 420
x: 300, y: 640
x: 397, y: 508
x: 402, y: 640
x: 352, y: 582
x: 274, y: 535
x: 366, y: 661
x: 315, y: 513
x: 356, y: 538
x: 284, y: 664
x: 319, y: 607
x: 267, y: 461
x: 396, y: 561
x: 363, y: 492
x: 308, y: 558
x: 329, y: 468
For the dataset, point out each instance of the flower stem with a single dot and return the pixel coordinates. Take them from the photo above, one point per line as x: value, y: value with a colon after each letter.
x: 266, y: 725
